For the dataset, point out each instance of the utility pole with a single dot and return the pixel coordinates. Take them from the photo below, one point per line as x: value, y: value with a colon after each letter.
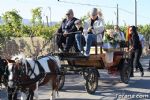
x: 135, y: 13
x: 117, y: 16
x: 47, y: 20
x: 50, y: 12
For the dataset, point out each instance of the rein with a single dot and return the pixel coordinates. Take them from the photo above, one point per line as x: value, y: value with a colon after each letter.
x: 37, y: 77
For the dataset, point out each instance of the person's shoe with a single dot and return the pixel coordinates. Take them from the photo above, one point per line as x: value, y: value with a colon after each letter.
x: 131, y: 75
x: 60, y: 50
x: 65, y: 51
x: 79, y: 53
x: 136, y: 70
x: 142, y: 73
x: 87, y: 55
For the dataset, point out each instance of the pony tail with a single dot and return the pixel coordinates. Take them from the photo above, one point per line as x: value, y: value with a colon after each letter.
x: 57, y: 85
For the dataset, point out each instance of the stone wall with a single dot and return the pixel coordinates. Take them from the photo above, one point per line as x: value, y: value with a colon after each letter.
x: 31, y: 46
x: 37, y: 46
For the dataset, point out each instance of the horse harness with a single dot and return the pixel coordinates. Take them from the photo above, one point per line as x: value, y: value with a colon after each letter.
x: 41, y: 69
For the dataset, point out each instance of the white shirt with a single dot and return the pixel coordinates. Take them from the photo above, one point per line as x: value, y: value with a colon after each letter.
x: 98, y: 28
x: 142, y: 39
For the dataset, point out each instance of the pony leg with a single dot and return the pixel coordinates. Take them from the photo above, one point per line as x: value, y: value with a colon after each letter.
x: 54, y: 88
x: 15, y: 96
x: 12, y: 94
x: 23, y: 96
x: 36, y: 91
x: 9, y: 91
x: 53, y: 95
x: 31, y: 95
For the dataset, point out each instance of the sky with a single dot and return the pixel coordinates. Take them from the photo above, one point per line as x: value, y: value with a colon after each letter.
x: 59, y: 8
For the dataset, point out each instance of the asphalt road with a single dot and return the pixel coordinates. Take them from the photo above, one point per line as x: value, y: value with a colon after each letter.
x: 109, y: 88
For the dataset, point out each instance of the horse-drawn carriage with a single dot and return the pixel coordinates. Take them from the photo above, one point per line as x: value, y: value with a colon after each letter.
x: 77, y: 62
x: 89, y: 66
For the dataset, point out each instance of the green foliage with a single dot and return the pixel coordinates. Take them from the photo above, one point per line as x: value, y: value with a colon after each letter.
x: 13, y: 26
x: 36, y: 16
x: 12, y: 23
x: 109, y: 26
x: 145, y: 30
x: 84, y: 18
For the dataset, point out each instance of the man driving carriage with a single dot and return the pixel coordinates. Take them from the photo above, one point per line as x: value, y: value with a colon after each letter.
x: 65, y: 35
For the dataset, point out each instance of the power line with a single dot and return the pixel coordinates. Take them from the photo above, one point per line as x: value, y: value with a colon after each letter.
x: 124, y: 10
x: 129, y: 12
x: 86, y: 4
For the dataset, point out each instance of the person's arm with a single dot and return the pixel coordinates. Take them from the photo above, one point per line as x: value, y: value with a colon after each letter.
x: 86, y: 26
x: 81, y: 29
x: 99, y: 28
x: 60, y: 28
x: 123, y: 36
x: 71, y: 27
x: 135, y: 42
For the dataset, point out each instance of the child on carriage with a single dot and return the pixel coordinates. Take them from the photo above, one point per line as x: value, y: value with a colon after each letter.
x: 79, y: 35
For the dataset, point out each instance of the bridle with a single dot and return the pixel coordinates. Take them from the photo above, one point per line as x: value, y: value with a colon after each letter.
x: 4, y: 71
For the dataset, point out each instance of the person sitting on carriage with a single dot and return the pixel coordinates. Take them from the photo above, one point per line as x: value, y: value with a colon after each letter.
x: 93, y: 29
x: 79, y: 35
x: 121, y: 36
x: 65, y: 33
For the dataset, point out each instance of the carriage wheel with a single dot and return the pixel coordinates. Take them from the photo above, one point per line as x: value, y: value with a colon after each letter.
x: 61, y: 82
x: 91, y: 81
x: 125, y: 73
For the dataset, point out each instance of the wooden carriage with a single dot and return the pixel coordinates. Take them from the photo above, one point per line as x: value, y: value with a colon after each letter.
x: 89, y: 66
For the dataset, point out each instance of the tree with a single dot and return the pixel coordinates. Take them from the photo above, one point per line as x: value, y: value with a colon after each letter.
x: 36, y: 16
x: 12, y: 23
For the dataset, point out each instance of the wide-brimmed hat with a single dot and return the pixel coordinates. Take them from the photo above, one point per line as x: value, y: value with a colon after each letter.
x: 94, y: 12
x: 69, y: 11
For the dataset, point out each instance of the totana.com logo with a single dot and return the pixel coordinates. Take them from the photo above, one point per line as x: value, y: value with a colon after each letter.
x: 130, y: 96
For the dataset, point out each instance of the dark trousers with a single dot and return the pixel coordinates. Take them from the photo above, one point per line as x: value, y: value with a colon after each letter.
x: 60, y: 39
x: 70, y: 41
x: 135, y: 60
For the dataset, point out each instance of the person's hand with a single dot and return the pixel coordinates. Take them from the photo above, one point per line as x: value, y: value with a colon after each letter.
x: 130, y: 49
x: 57, y: 33
x: 65, y: 34
x: 89, y: 29
x: 126, y: 49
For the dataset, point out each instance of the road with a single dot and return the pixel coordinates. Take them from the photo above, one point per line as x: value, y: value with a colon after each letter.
x: 110, y: 88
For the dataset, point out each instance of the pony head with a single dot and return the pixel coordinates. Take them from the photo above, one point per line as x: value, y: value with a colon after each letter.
x: 16, y: 69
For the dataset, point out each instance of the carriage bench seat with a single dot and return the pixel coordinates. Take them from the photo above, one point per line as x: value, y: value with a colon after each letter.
x: 68, y: 56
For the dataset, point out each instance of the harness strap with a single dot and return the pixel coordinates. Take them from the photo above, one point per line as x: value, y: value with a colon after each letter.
x: 56, y: 68
x: 41, y: 69
x: 30, y: 69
